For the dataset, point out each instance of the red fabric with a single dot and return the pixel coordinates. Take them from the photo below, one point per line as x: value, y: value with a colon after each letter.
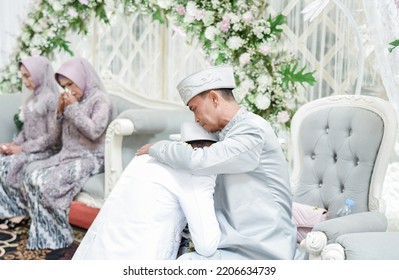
x: 82, y: 215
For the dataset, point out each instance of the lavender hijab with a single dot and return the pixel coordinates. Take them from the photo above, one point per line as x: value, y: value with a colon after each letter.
x: 82, y: 73
x: 42, y: 73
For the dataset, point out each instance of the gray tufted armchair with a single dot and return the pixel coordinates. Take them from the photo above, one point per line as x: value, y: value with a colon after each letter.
x: 341, y: 149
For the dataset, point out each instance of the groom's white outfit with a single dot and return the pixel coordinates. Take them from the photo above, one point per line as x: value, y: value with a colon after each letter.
x: 147, y: 210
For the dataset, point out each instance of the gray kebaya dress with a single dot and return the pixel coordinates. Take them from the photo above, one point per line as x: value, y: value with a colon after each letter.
x: 51, y: 184
x: 252, y: 197
x: 34, y: 138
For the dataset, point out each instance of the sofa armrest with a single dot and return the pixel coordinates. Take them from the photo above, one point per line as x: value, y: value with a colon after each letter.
x: 154, y: 124
x: 113, y: 168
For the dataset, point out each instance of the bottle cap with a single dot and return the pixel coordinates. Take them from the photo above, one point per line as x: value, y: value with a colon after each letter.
x: 349, y: 202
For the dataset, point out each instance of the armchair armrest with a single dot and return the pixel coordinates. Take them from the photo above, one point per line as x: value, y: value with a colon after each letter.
x: 370, y: 245
x: 153, y: 124
x: 359, y: 222
x: 320, y: 242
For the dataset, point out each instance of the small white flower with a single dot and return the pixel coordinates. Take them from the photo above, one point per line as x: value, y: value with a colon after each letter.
x: 245, y: 58
x: 13, y: 68
x: 262, y: 102
x: 240, y: 93
x: 247, y: 17
x: 57, y: 6
x: 35, y: 52
x: 283, y: 116
x: 72, y: 12
x: 21, y: 115
x: 180, y: 9
x: 233, y: 18
x: 247, y: 84
x: 235, y: 42
x: 264, y: 49
x: 191, y: 9
x: 211, y: 32
x: 188, y: 19
x: 264, y: 81
x: 25, y: 36
x: 209, y: 18
x: 165, y: 4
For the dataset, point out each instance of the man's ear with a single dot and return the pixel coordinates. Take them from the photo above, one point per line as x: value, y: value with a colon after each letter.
x: 214, y: 97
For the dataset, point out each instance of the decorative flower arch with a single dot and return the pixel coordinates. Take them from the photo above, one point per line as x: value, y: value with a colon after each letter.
x: 236, y: 32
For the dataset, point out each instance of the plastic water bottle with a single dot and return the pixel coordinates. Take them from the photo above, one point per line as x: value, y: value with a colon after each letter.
x: 346, y: 209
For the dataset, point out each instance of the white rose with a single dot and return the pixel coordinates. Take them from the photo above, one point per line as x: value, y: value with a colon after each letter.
x: 25, y: 36
x: 72, y: 12
x: 191, y: 8
x: 165, y: 4
x: 211, y: 32
x: 262, y: 101
x: 247, y: 17
x: 264, y: 49
x: 264, y: 81
x: 247, y: 84
x: 35, y: 52
x: 209, y: 18
x: 30, y: 21
x: 283, y: 116
x: 240, y: 93
x: 57, y: 6
x: 244, y: 59
x: 235, y: 42
x: 188, y: 19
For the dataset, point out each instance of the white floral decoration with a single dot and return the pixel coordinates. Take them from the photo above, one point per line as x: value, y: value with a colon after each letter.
x: 239, y: 32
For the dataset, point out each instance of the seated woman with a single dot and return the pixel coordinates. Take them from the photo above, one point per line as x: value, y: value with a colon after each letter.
x: 83, y: 114
x: 143, y: 217
x: 34, y: 141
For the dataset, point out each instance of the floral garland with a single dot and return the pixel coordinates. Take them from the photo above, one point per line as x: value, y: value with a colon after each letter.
x: 235, y: 32
x: 44, y: 31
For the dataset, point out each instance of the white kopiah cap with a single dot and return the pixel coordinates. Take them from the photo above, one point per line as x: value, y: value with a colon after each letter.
x: 211, y: 78
x: 192, y: 131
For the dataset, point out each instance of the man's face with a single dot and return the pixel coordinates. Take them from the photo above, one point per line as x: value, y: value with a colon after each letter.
x: 205, y: 112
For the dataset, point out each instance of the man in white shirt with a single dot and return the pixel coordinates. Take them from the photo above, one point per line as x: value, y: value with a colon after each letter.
x: 143, y: 217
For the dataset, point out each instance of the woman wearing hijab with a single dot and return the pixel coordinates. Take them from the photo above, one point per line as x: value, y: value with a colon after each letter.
x: 83, y: 114
x: 34, y: 142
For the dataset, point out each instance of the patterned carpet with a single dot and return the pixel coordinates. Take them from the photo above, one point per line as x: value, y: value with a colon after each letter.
x: 13, y: 246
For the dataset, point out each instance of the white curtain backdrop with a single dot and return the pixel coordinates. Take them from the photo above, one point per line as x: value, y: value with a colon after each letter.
x: 11, y: 15
x: 383, y: 22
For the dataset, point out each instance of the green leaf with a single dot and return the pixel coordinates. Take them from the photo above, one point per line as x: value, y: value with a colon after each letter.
x: 158, y: 15
x: 274, y: 24
x: 394, y: 44
x: 292, y: 76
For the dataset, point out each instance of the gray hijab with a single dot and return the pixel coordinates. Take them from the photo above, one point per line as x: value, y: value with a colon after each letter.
x: 82, y: 73
x: 42, y: 73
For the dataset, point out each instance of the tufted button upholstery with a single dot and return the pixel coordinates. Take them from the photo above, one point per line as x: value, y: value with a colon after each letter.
x: 342, y: 145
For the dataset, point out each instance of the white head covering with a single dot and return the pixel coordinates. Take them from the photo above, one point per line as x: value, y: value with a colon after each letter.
x: 212, y: 78
x: 192, y: 131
